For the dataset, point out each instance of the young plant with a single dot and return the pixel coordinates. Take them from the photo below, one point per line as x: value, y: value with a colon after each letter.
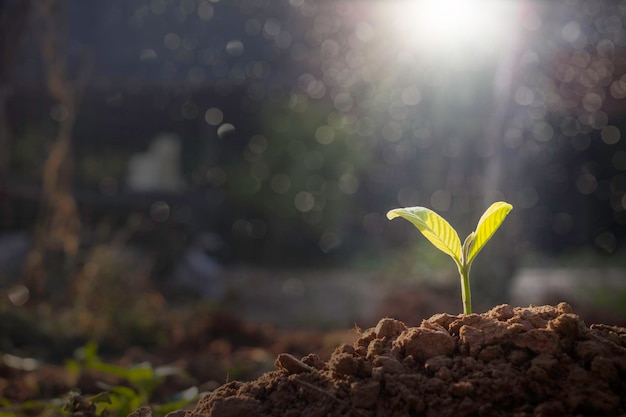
x: 439, y: 232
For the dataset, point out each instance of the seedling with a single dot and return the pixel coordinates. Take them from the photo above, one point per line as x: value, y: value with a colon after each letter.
x: 439, y: 232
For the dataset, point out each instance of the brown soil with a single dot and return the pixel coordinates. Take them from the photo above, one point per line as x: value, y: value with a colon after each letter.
x: 537, y: 361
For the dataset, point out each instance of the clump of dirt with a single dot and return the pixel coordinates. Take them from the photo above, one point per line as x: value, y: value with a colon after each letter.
x: 536, y: 361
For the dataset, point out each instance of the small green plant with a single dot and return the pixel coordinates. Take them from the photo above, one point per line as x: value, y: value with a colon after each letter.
x: 439, y: 232
x: 139, y: 383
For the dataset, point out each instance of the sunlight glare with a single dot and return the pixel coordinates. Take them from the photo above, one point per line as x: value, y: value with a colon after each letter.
x: 445, y: 25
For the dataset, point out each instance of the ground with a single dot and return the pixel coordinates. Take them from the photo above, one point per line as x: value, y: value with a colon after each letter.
x: 537, y: 361
x: 408, y: 365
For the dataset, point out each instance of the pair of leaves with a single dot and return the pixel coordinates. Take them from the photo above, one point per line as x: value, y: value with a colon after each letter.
x: 439, y: 232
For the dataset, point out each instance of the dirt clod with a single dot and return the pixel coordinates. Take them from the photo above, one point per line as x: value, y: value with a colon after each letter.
x: 536, y: 361
x: 389, y: 328
x: 291, y: 364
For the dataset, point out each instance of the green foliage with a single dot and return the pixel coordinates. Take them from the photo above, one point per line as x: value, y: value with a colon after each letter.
x: 443, y: 236
x: 31, y: 407
x: 136, y: 388
x: 88, y: 406
x: 141, y: 381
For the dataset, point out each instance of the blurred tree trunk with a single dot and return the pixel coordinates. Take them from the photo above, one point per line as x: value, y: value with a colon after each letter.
x: 56, y: 233
x: 13, y: 19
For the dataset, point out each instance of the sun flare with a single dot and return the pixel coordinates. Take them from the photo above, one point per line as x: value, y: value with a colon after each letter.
x: 443, y: 25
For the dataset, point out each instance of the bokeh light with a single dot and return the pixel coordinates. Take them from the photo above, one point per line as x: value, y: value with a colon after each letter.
x: 320, y: 116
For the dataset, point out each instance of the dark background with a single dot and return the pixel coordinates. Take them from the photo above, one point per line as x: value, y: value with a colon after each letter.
x: 331, y: 117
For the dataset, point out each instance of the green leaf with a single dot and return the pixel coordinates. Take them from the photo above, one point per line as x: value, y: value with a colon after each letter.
x: 434, y: 228
x: 123, y: 392
x: 103, y: 397
x: 489, y: 222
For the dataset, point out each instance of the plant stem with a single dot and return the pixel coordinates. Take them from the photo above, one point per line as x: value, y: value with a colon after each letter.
x: 465, y: 291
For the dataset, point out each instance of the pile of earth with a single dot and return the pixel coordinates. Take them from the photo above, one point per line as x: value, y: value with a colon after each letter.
x: 536, y: 361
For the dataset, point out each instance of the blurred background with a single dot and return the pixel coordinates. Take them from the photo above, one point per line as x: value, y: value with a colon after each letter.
x: 240, y: 156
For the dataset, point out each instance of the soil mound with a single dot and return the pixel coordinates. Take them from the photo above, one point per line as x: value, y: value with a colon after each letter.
x: 536, y: 361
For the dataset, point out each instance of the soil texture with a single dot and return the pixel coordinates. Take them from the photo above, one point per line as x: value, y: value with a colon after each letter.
x: 509, y: 361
